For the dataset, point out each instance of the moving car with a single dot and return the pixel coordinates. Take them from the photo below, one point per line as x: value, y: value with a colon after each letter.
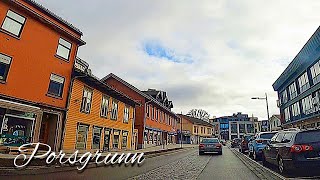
x: 244, y: 143
x: 258, y: 142
x: 293, y: 149
x: 210, y: 145
x: 235, y: 142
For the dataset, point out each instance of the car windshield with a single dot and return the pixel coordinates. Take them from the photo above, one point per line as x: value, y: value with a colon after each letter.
x: 210, y: 141
x: 308, y: 137
x: 267, y: 135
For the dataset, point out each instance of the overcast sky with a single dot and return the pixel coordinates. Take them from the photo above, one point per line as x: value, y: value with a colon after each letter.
x: 214, y: 55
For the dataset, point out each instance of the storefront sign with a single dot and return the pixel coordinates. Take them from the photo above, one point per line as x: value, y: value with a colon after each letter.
x: 81, y: 161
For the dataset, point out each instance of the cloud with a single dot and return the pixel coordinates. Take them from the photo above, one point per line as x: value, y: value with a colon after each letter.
x: 237, y: 48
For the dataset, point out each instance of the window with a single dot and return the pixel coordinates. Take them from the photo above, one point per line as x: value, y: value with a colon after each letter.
x: 63, y: 49
x: 13, y: 23
x: 86, y: 100
x: 307, y: 105
x: 116, y: 137
x: 126, y: 115
x: 5, y: 62
x: 315, y: 72
x: 209, y: 130
x: 201, y: 130
x: 56, y: 85
x: 157, y: 114
x: 124, y: 139
x: 287, y: 114
x: 283, y: 97
x: 104, y: 106
x: 161, y: 116
x: 152, y: 112
x: 148, y: 111
x: 288, y: 136
x: 295, y: 109
x: 82, y: 133
x: 194, y: 129
x: 96, y: 137
x: 279, y: 138
x: 303, y: 82
x: 114, y: 110
x: 293, y: 90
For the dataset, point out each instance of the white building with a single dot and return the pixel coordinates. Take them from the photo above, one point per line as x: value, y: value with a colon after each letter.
x: 238, y: 129
x: 275, y: 122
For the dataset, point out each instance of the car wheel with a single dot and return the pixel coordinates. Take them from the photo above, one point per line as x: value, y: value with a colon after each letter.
x: 281, y: 166
x: 220, y: 153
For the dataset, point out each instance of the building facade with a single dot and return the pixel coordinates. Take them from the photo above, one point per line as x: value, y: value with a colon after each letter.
x: 155, y: 121
x: 193, y: 129
x: 37, y: 55
x: 298, y: 87
x: 99, y: 117
x: 275, y: 123
x: 224, y: 124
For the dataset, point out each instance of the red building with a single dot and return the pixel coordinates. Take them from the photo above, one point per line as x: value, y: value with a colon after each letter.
x: 154, y: 120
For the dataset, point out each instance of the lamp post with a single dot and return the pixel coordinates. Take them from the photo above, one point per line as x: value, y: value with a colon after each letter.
x: 264, y: 98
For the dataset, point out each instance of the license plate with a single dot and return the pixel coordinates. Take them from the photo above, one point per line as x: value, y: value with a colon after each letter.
x: 210, y: 145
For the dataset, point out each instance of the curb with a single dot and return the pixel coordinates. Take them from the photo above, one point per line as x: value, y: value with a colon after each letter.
x: 45, y: 169
x: 259, y: 170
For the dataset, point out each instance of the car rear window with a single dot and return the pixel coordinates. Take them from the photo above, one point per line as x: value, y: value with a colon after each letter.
x: 210, y: 140
x: 267, y: 135
x: 308, y: 137
x: 247, y: 138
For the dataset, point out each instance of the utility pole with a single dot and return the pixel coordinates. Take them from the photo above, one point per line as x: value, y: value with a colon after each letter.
x: 181, y: 130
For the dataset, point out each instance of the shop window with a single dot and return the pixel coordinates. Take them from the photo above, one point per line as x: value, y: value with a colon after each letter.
x: 126, y: 115
x: 86, y: 100
x: 64, y: 48
x: 114, y: 110
x: 96, y: 137
x: 241, y: 128
x: 146, y: 136
x: 82, y: 133
x: 234, y: 128
x: 13, y: 23
x: 150, y: 137
x: 56, y: 85
x: 17, y: 129
x: 5, y: 62
x: 116, y: 138
x: 124, y: 139
x: 106, y: 139
x: 104, y: 106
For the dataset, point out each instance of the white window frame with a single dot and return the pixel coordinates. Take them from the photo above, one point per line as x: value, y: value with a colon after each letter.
x: 114, y: 110
x: 126, y: 113
x: 287, y: 114
x: 104, y: 106
x: 284, y: 96
x: 295, y: 109
x: 293, y: 90
x: 86, y: 102
x: 303, y: 82
x: 65, y: 45
x: 58, y: 79
x: 5, y: 60
x: 16, y: 19
x: 315, y: 72
x: 307, y: 105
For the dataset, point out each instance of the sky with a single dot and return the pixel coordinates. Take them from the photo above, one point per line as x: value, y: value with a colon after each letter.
x: 206, y: 54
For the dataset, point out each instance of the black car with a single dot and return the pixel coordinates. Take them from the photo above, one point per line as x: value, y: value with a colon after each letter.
x: 235, y: 142
x: 293, y: 149
x: 210, y: 145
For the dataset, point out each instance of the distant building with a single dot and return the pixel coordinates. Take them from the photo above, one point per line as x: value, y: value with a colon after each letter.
x: 194, y: 129
x: 242, y: 126
x: 275, y: 123
x: 265, y: 126
x: 298, y: 87
x: 257, y: 126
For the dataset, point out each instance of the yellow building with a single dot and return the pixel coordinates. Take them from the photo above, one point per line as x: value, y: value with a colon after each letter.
x: 193, y: 129
x: 99, y: 117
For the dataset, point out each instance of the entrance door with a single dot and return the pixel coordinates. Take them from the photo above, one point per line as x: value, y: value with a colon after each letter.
x: 106, y: 144
x: 48, y: 130
x: 44, y: 132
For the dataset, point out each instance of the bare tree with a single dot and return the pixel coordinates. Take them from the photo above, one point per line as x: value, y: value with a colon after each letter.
x: 200, y: 114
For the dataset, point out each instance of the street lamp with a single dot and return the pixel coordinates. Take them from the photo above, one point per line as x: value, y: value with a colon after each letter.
x: 264, y: 98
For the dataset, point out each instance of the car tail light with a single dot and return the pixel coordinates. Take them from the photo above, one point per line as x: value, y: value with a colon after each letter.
x: 259, y: 141
x: 300, y: 148
x: 201, y: 145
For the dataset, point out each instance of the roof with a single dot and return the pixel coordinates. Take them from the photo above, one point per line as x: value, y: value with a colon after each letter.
x: 53, y: 15
x: 306, y: 56
x: 104, y: 87
x: 195, y: 120
x: 111, y: 75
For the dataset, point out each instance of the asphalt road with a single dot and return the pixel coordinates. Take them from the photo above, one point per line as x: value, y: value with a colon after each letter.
x: 184, y: 164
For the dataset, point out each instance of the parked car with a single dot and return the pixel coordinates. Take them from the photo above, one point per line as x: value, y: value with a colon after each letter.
x: 223, y: 142
x: 235, y: 142
x: 210, y: 145
x: 258, y: 142
x: 293, y: 149
x: 244, y: 143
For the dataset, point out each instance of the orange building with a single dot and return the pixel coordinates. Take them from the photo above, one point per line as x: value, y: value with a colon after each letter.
x: 156, y: 123
x: 37, y: 55
x: 99, y: 117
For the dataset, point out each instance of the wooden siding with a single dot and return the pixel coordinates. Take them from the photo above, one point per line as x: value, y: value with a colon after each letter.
x: 74, y: 116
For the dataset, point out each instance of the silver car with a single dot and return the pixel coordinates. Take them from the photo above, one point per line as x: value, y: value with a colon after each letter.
x: 210, y: 145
